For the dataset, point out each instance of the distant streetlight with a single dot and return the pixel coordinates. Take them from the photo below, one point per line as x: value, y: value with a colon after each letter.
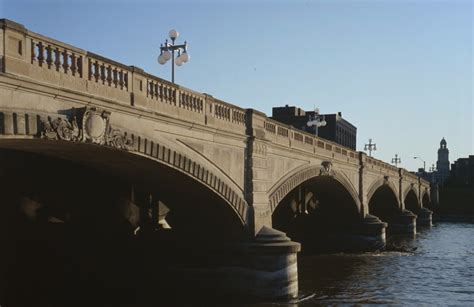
x: 166, y: 55
x: 424, y: 163
x: 370, y: 147
x: 316, y: 120
x: 396, y: 160
x: 432, y: 171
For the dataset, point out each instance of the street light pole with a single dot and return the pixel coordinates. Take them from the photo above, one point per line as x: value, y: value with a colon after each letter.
x: 370, y: 147
x: 166, y: 55
x: 317, y: 121
x: 396, y: 160
x: 424, y: 163
x: 432, y: 171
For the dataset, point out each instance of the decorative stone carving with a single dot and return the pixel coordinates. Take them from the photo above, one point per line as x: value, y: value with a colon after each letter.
x: 259, y: 149
x: 326, y: 169
x: 88, y: 125
x: 61, y: 129
x: 95, y: 124
x: 385, y: 180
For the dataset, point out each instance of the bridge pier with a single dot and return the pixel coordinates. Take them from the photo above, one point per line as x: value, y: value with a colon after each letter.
x: 404, y: 223
x: 370, y: 235
x: 319, y: 236
x: 425, y: 217
x: 262, y: 269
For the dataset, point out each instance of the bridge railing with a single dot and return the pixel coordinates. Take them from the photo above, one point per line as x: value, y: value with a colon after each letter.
x: 289, y: 136
x: 379, y: 165
x: 49, y: 61
x: 56, y: 64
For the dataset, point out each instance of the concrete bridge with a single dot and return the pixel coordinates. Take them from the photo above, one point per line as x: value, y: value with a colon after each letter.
x: 96, y: 142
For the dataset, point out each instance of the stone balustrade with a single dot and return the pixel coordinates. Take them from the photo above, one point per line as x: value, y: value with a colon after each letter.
x: 47, y: 61
x: 288, y: 136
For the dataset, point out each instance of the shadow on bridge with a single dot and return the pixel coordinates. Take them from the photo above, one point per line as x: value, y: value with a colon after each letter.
x: 321, y: 214
x: 74, y: 232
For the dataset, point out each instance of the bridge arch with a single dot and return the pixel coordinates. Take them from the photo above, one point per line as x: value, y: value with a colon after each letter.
x: 379, y: 183
x: 294, y: 179
x: 426, y: 199
x: 383, y: 201
x: 316, y: 206
x: 89, y: 131
x: 411, y: 188
x: 411, y: 200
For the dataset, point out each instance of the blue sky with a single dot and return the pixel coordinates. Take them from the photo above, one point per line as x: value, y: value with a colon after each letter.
x: 401, y: 71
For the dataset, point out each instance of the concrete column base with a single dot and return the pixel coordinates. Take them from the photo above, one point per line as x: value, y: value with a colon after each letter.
x: 425, y: 218
x: 262, y: 269
x: 366, y: 235
x: 370, y: 236
x: 405, y: 223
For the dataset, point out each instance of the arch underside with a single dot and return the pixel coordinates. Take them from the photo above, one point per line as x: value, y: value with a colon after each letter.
x: 384, y: 203
x: 318, y: 213
x: 411, y: 202
x: 285, y: 185
x: 74, y: 172
x: 379, y: 183
x: 91, y: 126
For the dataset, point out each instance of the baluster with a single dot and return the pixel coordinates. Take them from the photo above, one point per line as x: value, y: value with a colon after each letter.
x: 102, y: 73
x: 96, y: 71
x: 109, y: 75
x: 49, y: 56
x: 40, y: 54
x: 121, y: 79
x: 57, y: 58
x: 90, y: 69
x: 79, y: 66
x: 151, y: 89
x: 33, y: 51
x: 125, y: 80
x: 115, y: 77
x: 161, y: 92
x: 156, y: 89
x: 73, y: 64
x: 66, y: 65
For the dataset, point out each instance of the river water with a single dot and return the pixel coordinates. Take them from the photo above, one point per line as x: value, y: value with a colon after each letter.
x: 440, y: 271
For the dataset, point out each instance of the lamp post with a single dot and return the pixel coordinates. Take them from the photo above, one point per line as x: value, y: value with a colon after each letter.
x: 432, y: 171
x: 317, y: 121
x: 424, y: 163
x: 166, y: 55
x: 370, y: 147
x: 396, y: 160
